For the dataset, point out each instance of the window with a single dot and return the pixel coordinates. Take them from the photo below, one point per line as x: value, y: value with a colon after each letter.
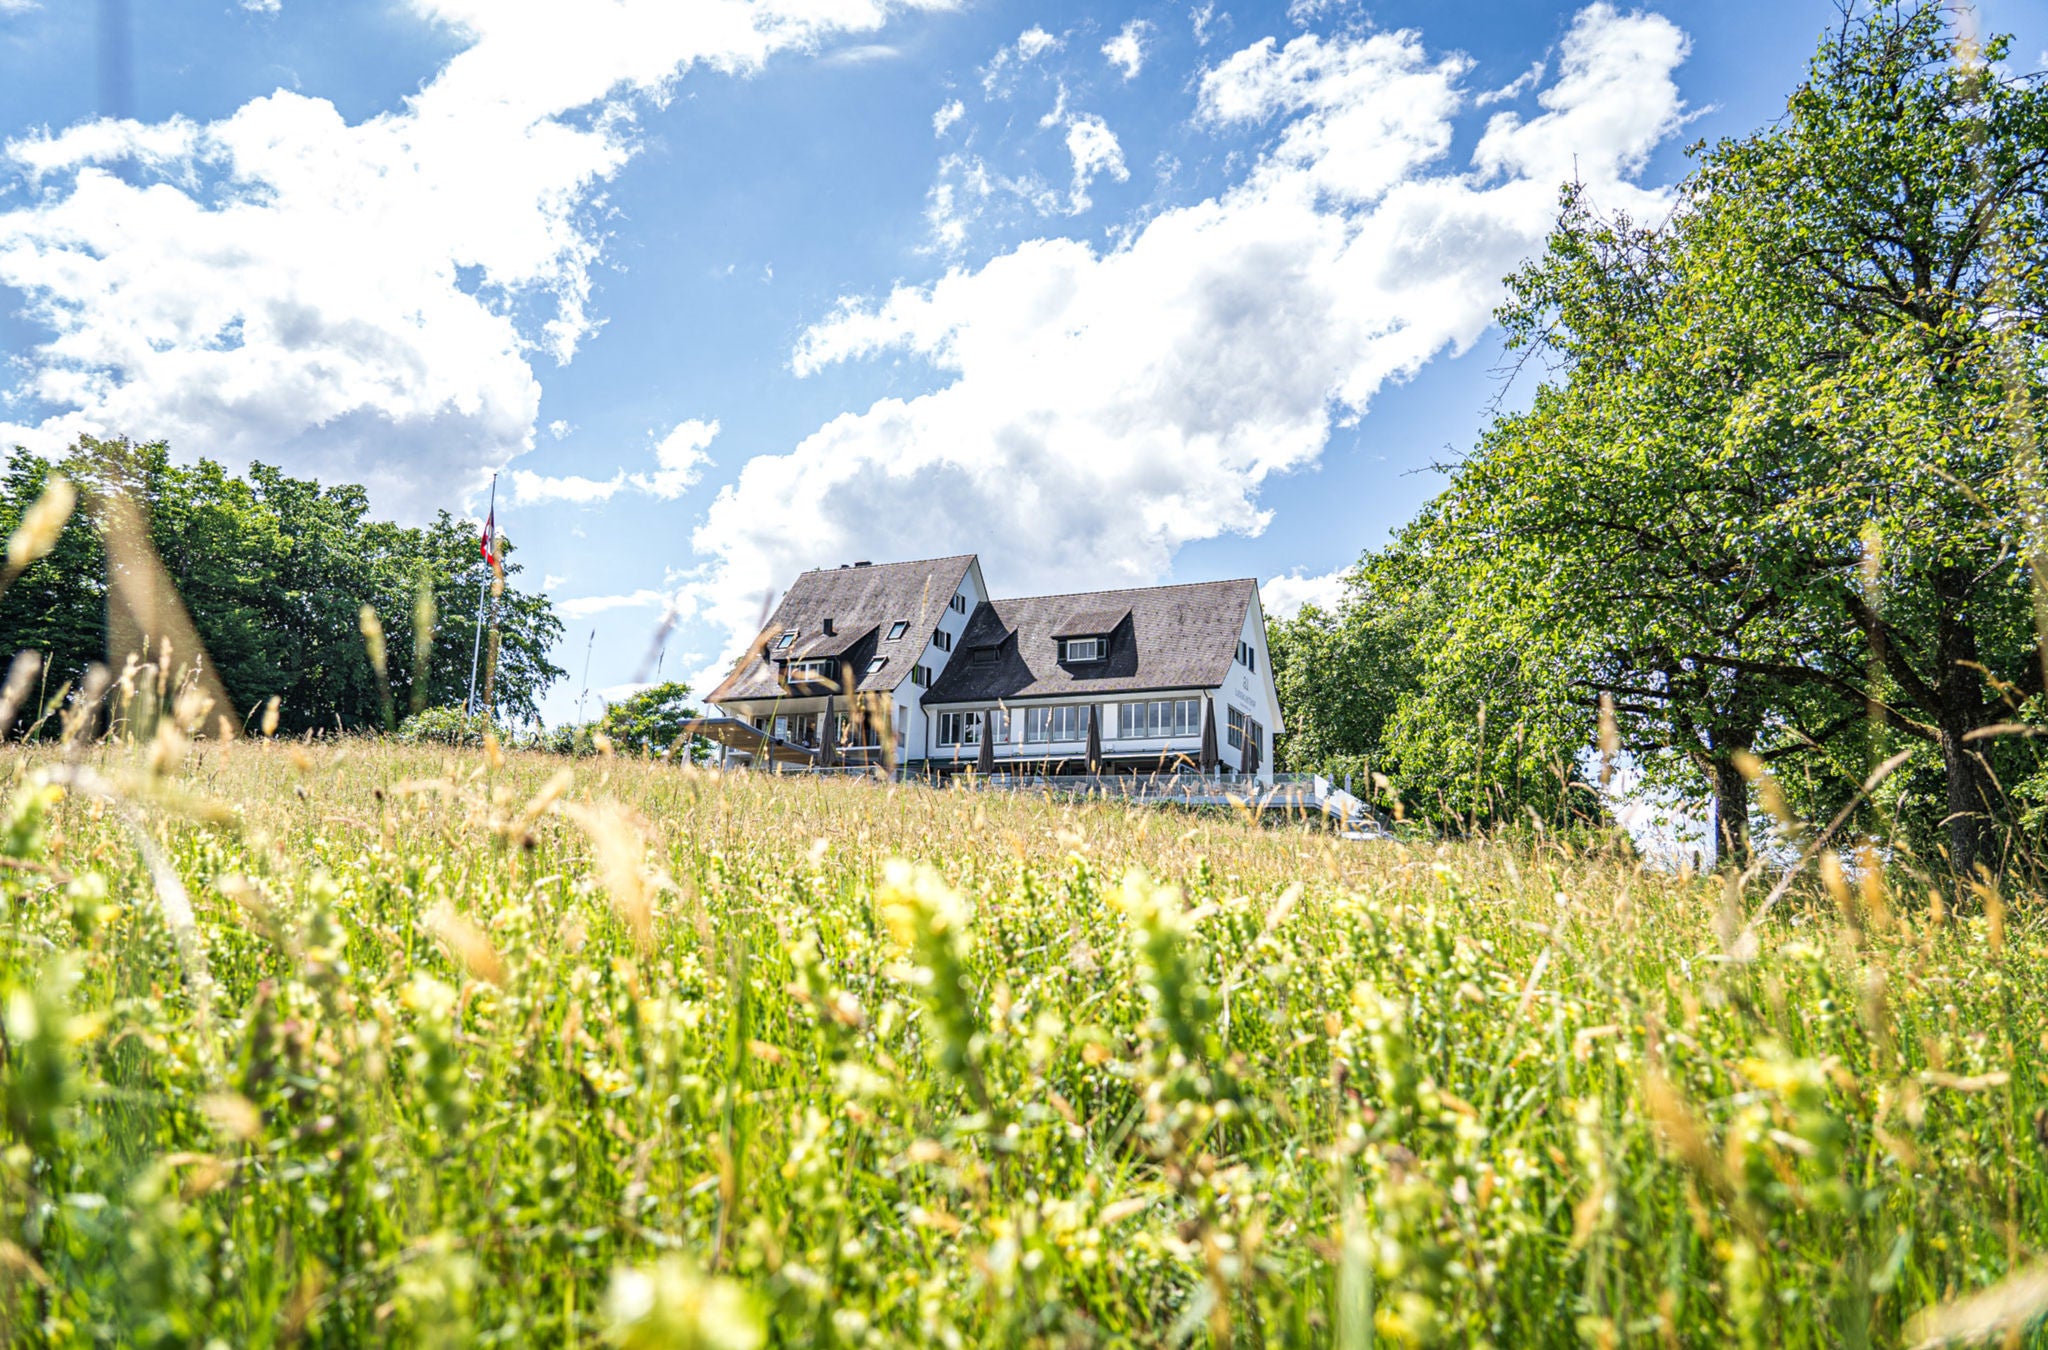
x: 1247, y: 656
x: 810, y: 670
x: 959, y: 728
x: 898, y: 629
x: 987, y: 656
x: 921, y: 676
x: 1065, y: 723
x: 877, y: 664
x: 1160, y: 719
x: 942, y: 640
x: 1084, y: 649
x: 1242, y: 726
x: 1002, y: 724
x: 788, y: 636
x: 959, y: 602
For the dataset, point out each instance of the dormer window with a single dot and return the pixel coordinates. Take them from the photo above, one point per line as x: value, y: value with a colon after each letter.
x: 987, y: 656
x: 788, y: 636
x: 1082, y: 649
x: 898, y: 629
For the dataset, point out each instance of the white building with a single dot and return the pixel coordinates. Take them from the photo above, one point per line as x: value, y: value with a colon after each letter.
x: 923, y: 644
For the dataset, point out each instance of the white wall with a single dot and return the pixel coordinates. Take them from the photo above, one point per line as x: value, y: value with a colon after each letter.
x: 1250, y: 691
x: 908, y: 708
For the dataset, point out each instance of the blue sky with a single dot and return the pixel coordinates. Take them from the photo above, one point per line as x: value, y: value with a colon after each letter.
x: 1109, y: 294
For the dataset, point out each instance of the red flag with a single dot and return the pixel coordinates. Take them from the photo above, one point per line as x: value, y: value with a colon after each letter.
x: 490, y: 535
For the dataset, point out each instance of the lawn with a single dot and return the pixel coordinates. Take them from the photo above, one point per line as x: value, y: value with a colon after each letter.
x: 349, y: 1043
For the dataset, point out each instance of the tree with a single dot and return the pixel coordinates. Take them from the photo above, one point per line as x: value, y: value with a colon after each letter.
x: 650, y: 721
x: 1776, y: 499
x: 275, y: 571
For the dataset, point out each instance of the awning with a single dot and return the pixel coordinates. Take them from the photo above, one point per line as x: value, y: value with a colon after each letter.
x: 744, y: 735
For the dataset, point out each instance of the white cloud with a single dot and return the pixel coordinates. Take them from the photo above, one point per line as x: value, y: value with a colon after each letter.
x: 1126, y: 51
x: 862, y: 54
x: 679, y: 463
x: 946, y: 116
x: 1514, y: 88
x: 532, y: 489
x: 19, y: 6
x: 1035, y: 42
x: 583, y: 606
x: 559, y: 429
x: 968, y: 190
x: 998, y: 77
x: 361, y: 299
x: 263, y: 6
x: 680, y: 459
x: 1203, y: 18
x: 1095, y: 151
x: 1284, y: 595
x: 1105, y: 408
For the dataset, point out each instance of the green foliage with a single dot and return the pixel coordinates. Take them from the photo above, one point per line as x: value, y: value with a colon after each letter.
x: 650, y: 722
x: 448, y: 726
x: 1779, y: 500
x: 463, y: 1049
x: 275, y: 572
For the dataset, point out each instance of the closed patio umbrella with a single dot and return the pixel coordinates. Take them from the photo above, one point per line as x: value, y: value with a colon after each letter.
x: 1094, y: 739
x: 985, y: 762
x: 1208, y: 756
x: 828, y: 738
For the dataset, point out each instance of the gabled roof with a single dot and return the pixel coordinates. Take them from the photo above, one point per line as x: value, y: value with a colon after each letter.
x: 864, y: 602
x: 1164, y: 637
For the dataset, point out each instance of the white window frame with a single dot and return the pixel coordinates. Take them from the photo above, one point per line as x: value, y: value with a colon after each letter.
x: 959, y: 602
x: 942, y: 640
x: 921, y: 676
x: 960, y: 728
x: 897, y: 630
x: 1096, y: 649
x: 788, y: 636
x: 875, y: 664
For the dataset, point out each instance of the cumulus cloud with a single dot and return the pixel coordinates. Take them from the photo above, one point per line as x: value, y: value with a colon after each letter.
x: 1094, y: 149
x: 1106, y: 407
x: 1126, y: 51
x: 679, y: 460
x: 364, y: 299
x: 1514, y: 88
x: 946, y: 116
x: 1284, y: 595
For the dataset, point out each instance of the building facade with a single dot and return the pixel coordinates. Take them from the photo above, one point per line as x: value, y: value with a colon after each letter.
x: 1102, y: 681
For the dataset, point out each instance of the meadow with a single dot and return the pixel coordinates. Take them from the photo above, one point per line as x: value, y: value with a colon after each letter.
x: 347, y: 1043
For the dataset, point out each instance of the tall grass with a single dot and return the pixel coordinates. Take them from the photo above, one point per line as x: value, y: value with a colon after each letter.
x: 481, y: 1048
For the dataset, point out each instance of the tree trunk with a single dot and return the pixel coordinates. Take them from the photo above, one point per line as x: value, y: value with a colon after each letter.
x: 1731, y: 814
x: 1961, y: 701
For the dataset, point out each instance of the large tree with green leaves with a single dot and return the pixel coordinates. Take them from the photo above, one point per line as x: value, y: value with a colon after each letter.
x: 275, y: 572
x: 1775, y: 498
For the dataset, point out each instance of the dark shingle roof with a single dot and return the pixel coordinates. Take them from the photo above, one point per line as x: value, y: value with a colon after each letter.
x: 1169, y: 637
x: 863, y: 604
x: 1093, y: 622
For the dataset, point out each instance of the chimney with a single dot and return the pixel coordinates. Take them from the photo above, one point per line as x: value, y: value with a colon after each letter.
x: 863, y: 563
x: 828, y: 628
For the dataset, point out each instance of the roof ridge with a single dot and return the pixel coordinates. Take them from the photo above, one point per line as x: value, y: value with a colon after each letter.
x: 1122, y: 590
x: 901, y: 562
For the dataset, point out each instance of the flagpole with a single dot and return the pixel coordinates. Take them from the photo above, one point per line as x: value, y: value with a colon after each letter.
x: 477, y: 647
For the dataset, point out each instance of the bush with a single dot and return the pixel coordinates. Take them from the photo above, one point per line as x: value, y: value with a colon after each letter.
x: 448, y: 726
